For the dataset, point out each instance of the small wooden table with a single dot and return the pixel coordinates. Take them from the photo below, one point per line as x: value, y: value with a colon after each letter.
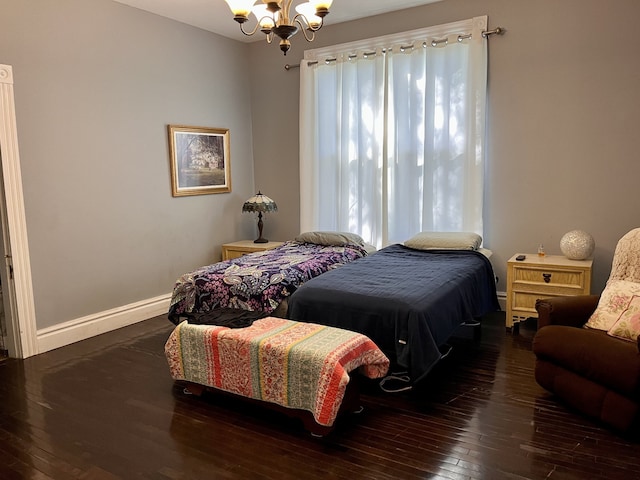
x: 242, y: 247
x: 540, y: 277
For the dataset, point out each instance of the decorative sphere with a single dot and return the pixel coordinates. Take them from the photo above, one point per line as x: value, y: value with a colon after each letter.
x: 577, y: 245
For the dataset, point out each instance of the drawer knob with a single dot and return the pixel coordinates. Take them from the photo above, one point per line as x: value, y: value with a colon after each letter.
x: 546, y: 277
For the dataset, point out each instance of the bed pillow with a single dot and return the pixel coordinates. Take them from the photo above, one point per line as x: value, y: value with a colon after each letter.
x: 616, y: 299
x: 335, y: 239
x: 627, y: 327
x: 444, y: 240
x: 369, y: 248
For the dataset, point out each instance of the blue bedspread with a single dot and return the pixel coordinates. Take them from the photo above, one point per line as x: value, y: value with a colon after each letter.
x: 409, y: 302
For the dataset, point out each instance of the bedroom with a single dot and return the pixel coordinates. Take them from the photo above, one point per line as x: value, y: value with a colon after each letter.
x: 92, y: 118
x: 97, y: 82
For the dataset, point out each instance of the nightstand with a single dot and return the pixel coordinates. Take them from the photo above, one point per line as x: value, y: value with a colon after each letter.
x: 238, y: 249
x: 540, y: 277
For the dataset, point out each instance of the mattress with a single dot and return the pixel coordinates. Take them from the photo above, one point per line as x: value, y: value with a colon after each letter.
x: 409, y: 302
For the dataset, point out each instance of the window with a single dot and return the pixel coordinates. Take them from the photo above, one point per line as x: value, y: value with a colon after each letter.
x: 392, y: 134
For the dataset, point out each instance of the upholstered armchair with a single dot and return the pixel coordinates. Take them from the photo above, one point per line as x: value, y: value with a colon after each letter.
x: 587, y: 347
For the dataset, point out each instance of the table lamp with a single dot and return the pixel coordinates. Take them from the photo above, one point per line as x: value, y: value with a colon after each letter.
x: 260, y: 203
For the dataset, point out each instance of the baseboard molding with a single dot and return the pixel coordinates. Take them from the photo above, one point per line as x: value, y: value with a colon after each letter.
x: 86, y: 327
x: 502, y: 300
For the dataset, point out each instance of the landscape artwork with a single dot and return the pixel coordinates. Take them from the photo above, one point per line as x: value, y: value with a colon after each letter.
x: 200, y: 162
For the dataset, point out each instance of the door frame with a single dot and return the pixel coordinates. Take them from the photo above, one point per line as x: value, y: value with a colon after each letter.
x: 21, y: 319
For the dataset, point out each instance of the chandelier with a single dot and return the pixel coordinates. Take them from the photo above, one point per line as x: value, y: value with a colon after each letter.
x: 274, y: 18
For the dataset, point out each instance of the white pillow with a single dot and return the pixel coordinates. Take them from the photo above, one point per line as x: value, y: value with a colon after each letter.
x: 336, y: 239
x: 444, y: 240
x: 615, y: 300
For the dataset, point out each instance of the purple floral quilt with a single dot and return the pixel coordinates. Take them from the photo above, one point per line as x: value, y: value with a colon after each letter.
x: 256, y: 282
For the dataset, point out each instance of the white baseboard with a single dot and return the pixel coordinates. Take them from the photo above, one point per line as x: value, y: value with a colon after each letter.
x: 86, y: 327
x: 502, y: 300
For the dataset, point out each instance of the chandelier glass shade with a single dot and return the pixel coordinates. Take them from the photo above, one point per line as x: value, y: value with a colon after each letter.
x: 274, y: 18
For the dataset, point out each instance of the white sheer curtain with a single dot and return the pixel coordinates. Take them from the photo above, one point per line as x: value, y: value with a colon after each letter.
x: 392, y: 134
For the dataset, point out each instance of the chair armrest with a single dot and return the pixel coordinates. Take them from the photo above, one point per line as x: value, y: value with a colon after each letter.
x: 572, y: 311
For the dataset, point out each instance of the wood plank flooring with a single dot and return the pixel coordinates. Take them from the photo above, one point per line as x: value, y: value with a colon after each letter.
x: 106, y: 408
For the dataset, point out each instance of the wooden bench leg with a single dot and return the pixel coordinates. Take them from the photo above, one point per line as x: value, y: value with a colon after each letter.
x: 193, y: 389
x: 350, y: 404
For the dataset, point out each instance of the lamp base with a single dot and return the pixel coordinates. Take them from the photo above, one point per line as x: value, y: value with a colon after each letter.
x: 260, y: 225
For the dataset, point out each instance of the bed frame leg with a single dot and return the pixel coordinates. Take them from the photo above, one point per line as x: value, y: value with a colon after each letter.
x: 477, y: 329
x: 477, y: 332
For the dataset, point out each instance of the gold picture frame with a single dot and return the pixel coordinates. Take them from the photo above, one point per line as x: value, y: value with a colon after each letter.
x: 200, y: 161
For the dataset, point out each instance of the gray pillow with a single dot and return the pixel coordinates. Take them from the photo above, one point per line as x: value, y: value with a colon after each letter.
x: 444, y: 241
x: 336, y: 239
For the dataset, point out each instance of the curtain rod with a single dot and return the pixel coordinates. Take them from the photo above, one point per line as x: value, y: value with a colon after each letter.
x: 495, y: 31
x: 485, y: 34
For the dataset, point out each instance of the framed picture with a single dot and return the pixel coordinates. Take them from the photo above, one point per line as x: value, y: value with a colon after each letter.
x: 200, y: 162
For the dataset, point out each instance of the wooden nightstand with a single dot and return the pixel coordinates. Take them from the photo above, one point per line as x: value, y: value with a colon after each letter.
x: 237, y: 249
x: 541, y: 277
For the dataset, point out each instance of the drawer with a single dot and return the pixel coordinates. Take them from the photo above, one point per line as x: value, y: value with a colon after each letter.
x: 527, y: 301
x: 547, y: 288
x: 231, y: 254
x: 244, y: 247
x: 555, y: 277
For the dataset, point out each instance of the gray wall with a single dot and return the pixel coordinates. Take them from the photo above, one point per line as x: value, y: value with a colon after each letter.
x: 96, y: 84
x: 562, y: 120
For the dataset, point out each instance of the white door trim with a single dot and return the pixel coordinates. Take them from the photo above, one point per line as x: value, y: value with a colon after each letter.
x: 24, y: 317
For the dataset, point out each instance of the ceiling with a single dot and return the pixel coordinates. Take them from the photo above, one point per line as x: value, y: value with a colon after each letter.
x: 215, y: 16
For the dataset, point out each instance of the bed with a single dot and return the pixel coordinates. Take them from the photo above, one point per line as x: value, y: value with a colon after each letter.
x: 238, y: 291
x: 409, y: 301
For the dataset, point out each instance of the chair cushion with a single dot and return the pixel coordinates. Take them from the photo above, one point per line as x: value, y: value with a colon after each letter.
x: 614, y: 301
x: 628, y: 325
x: 592, y: 354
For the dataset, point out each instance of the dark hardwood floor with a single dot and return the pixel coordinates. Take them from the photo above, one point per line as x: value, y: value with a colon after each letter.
x: 106, y: 408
